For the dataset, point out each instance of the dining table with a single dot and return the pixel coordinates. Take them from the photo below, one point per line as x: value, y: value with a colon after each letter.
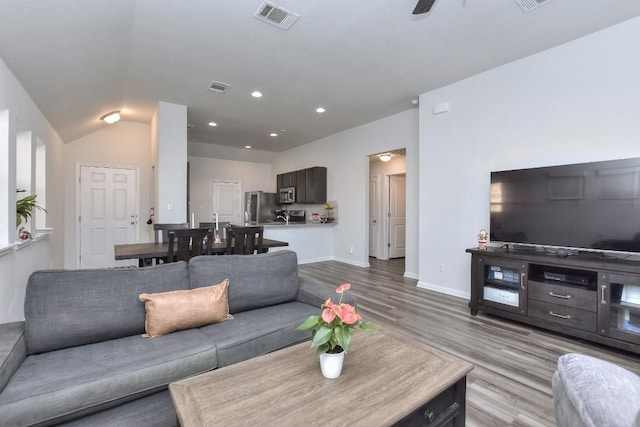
x: 146, y: 252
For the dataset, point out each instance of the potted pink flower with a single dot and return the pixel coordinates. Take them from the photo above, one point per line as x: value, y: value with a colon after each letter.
x: 331, y: 330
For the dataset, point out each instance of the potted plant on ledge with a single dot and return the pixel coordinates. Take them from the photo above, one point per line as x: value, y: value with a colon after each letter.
x: 24, y: 211
x: 331, y: 332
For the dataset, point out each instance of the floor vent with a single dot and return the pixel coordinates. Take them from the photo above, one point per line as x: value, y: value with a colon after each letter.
x: 528, y: 5
x: 219, y: 87
x: 275, y: 15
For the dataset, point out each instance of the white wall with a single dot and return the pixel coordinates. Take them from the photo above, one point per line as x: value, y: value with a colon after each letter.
x: 345, y: 155
x: 574, y: 103
x: 121, y: 144
x: 170, y: 129
x: 203, y: 170
x: 17, y: 265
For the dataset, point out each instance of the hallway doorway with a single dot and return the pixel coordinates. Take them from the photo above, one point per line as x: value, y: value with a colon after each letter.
x: 387, y: 204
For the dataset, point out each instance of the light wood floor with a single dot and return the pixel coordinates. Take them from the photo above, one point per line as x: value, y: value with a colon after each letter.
x: 510, y: 384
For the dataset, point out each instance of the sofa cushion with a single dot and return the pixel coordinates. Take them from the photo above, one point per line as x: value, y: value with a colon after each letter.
x: 256, y: 332
x: 60, y: 385
x: 254, y: 280
x: 66, y: 308
x: 591, y: 392
x: 13, y: 350
x: 155, y: 410
x: 173, y: 311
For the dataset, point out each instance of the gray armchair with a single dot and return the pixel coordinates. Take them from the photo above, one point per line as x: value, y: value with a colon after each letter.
x: 589, y: 392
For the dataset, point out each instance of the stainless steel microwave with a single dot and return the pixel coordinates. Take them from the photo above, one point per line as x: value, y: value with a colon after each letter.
x: 288, y: 195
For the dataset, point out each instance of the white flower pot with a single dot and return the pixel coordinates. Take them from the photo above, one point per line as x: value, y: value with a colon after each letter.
x: 331, y: 364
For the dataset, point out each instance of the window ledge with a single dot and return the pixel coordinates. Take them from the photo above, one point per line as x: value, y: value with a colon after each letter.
x: 6, y: 249
x: 40, y: 235
x: 20, y: 244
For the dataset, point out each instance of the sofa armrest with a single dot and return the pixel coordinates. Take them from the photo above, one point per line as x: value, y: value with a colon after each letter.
x: 13, y: 350
x: 316, y: 294
x: 591, y: 392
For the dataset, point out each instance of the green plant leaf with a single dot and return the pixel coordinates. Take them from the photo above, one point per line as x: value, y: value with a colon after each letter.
x: 343, y: 336
x: 322, y: 349
x: 366, y: 326
x: 25, y: 207
x: 322, y: 336
x: 311, y: 322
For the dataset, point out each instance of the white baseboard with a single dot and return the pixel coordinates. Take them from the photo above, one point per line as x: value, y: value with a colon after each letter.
x: 444, y: 290
x: 352, y: 262
x: 410, y: 275
x: 312, y: 260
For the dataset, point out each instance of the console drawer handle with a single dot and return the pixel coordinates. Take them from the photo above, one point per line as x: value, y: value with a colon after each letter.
x: 559, y: 296
x: 562, y: 316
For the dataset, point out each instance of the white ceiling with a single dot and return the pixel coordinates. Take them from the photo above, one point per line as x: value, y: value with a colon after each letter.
x: 361, y: 60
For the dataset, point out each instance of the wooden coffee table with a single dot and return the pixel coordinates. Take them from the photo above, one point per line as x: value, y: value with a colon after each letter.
x: 385, y: 381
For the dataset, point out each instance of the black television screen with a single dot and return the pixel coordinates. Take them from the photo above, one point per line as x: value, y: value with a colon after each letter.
x: 585, y: 206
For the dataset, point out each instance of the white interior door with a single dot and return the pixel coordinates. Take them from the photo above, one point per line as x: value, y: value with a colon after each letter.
x: 108, y: 214
x: 227, y: 202
x: 374, y: 209
x: 397, y: 215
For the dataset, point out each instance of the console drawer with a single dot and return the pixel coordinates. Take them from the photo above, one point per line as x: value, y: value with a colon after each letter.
x: 445, y: 410
x: 567, y: 296
x: 569, y: 317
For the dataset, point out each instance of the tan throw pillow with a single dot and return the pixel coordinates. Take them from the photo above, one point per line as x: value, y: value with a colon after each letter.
x: 177, y: 310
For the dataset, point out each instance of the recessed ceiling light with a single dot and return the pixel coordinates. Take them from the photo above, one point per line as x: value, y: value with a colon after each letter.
x: 256, y: 94
x: 213, y: 124
x: 111, y: 117
x: 247, y: 146
x: 273, y: 134
x: 320, y: 110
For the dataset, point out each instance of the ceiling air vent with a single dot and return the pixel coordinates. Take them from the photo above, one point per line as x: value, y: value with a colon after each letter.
x: 219, y: 87
x: 528, y: 5
x: 275, y: 15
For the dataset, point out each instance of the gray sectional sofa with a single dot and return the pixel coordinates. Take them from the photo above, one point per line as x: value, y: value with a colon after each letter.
x: 590, y: 392
x: 79, y: 358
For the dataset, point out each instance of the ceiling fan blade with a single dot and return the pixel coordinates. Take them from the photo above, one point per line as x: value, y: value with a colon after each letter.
x: 423, y: 6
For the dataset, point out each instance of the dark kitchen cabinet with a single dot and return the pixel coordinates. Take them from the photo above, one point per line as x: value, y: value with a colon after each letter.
x: 310, y: 184
x: 316, y: 185
x: 284, y: 180
x: 301, y: 186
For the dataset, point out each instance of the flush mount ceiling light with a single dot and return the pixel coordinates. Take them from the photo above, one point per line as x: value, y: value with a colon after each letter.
x: 247, y: 146
x: 273, y: 134
x: 111, y: 117
x: 320, y: 110
x: 212, y: 124
x: 256, y: 94
x: 385, y: 157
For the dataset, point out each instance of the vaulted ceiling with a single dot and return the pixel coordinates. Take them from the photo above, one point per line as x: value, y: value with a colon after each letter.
x: 360, y: 60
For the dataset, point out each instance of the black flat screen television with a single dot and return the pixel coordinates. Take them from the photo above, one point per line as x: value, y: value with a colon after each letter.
x: 593, y: 206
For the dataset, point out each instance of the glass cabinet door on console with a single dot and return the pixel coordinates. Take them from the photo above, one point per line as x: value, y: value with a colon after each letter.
x: 619, y: 307
x: 503, y: 284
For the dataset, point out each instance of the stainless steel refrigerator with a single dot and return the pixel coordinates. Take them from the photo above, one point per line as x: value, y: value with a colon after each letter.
x: 260, y: 206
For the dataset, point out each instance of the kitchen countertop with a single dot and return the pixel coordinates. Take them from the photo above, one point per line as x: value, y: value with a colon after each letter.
x: 272, y: 224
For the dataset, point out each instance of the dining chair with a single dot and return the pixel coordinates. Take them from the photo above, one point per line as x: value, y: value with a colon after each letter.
x: 161, y: 230
x: 184, y: 244
x: 244, y: 240
x: 222, y: 227
x: 160, y: 235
